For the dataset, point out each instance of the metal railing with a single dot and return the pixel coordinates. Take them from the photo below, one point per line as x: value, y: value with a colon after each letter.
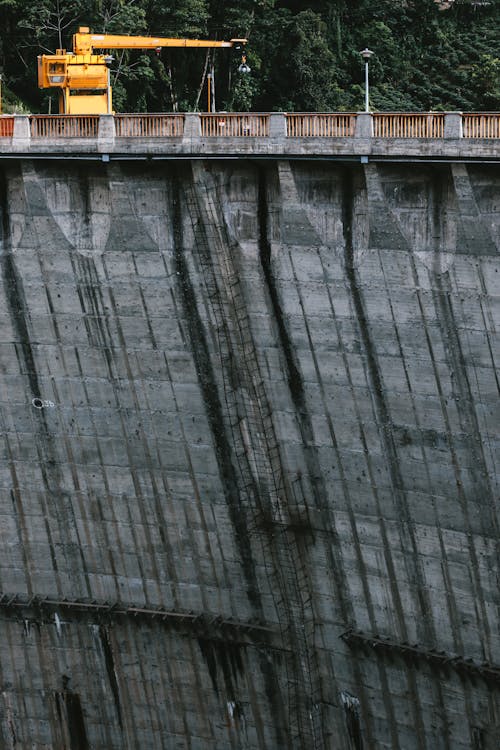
x: 481, y: 125
x: 308, y: 125
x: 408, y: 125
x: 64, y: 126
x: 6, y: 126
x: 149, y: 126
x: 234, y: 125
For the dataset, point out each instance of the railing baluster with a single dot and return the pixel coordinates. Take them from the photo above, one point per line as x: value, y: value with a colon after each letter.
x: 234, y: 125
x: 320, y: 125
x: 149, y: 125
x: 64, y: 126
x: 6, y: 127
x: 481, y: 125
x: 406, y: 125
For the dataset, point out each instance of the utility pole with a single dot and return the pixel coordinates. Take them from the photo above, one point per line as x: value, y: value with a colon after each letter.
x: 211, y: 89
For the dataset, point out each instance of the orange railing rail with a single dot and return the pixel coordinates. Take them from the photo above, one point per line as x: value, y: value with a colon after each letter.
x: 481, y: 125
x: 408, y: 125
x: 308, y: 125
x: 6, y: 126
x: 64, y: 126
x: 234, y: 124
x: 149, y: 126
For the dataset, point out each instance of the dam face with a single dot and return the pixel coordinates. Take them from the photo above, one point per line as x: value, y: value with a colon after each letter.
x: 249, y: 476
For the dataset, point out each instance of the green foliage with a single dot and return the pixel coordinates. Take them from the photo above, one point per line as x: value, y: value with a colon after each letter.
x: 486, y: 78
x: 303, y: 55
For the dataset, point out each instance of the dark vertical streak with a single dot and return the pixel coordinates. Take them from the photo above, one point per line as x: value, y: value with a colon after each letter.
x: 111, y: 672
x: 76, y: 724
x: 458, y: 370
x: 386, y: 436
x: 353, y: 724
x: 377, y: 388
x: 478, y: 469
x: 298, y: 396
x: 203, y: 365
x: 224, y: 450
x: 70, y: 715
x: 293, y: 373
x: 19, y: 315
x: 226, y: 656
x: 15, y: 297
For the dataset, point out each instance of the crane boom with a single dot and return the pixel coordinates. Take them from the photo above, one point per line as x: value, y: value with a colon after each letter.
x: 85, y: 43
x: 83, y: 77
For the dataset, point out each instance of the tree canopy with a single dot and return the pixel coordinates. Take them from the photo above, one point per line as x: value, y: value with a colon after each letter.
x: 304, y: 56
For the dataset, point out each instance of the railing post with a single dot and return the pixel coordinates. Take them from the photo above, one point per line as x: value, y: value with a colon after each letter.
x: 277, y: 125
x: 106, y: 132
x: 21, y: 134
x: 453, y: 125
x: 364, y: 125
x: 192, y: 126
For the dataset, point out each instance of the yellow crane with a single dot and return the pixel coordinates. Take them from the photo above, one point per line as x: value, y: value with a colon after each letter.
x: 83, y: 77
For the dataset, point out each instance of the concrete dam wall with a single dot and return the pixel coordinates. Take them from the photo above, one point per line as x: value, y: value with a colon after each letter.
x: 249, y: 475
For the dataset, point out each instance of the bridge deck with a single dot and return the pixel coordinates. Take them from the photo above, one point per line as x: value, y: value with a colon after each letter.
x: 423, y: 136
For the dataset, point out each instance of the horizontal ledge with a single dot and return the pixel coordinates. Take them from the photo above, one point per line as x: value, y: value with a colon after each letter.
x: 252, y: 156
x: 34, y: 607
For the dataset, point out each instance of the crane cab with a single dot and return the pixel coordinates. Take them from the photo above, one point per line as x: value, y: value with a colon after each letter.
x: 82, y: 80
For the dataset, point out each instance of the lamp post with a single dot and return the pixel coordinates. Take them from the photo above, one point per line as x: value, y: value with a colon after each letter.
x: 366, y: 54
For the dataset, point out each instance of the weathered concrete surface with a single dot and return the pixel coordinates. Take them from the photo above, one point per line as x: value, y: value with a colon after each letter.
x: 397, y: 149
x: 266, y: 394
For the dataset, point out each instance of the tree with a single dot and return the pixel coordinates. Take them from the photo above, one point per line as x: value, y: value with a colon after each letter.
x: 304, y: 55
x: 486, y: 78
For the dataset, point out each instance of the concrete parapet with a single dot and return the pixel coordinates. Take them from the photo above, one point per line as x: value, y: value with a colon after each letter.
x: 192, y: 126
x: 453, y: 125
x: 106, y: 131
x: 277, y: 125
x: 22, y: 131
x: 364, y: 125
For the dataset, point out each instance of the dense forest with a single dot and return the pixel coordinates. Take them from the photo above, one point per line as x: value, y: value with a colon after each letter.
x: 304, y: 56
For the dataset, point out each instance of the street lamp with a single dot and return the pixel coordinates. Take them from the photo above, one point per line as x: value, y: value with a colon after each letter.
x: 366, y: 54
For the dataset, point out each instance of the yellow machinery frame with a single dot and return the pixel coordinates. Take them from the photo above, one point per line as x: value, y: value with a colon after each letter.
x: 83, y: 77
